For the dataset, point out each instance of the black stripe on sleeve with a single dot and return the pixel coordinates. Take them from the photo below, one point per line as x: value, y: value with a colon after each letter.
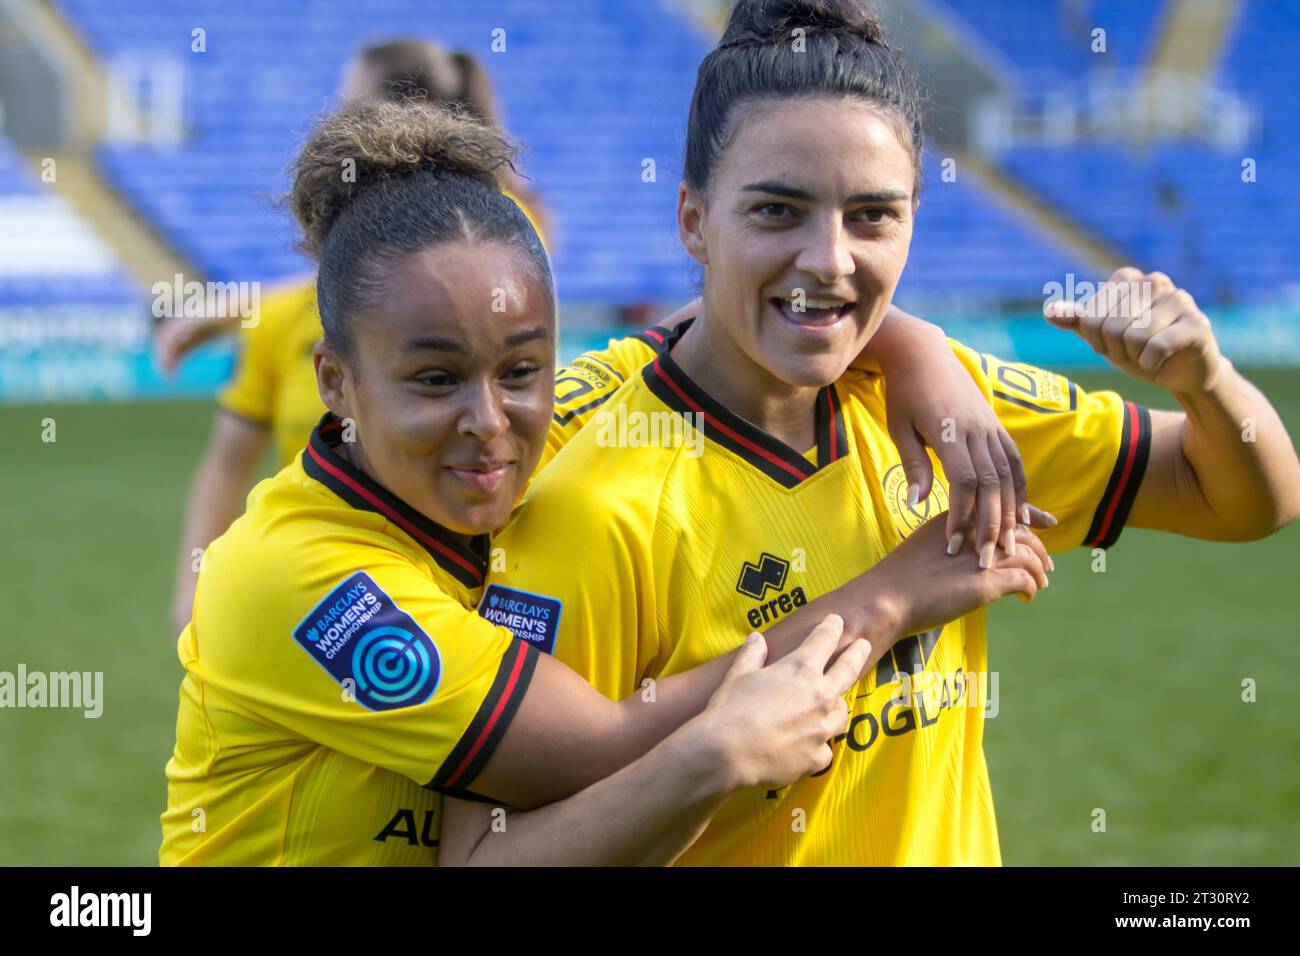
x: 494, y: 715
x: 1125, y: 479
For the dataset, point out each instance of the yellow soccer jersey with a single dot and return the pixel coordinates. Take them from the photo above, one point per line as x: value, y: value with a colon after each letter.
x: 591, y: 379
x: 335, y: 676
x: 275, y: 379
x: 641, y: 552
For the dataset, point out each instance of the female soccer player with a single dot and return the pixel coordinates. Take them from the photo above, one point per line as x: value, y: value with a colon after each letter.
x: 803, y: 157
x: 337, y: 674
x: 273, y: 394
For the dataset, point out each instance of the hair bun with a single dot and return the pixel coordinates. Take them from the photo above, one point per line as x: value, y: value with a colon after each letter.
x: 374, y: 141
x: 769, y: 21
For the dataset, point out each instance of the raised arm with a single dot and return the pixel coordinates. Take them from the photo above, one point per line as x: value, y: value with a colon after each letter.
x: 216, y: 498
x: 1224, y: 468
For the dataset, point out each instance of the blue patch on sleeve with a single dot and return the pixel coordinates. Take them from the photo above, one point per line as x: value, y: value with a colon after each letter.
x: 371, y: 646
x: 531, y: 617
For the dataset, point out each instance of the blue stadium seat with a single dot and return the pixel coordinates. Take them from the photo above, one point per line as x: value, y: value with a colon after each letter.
x: 49, y: 255
x: 595, y: 87
x: 1178, y: 206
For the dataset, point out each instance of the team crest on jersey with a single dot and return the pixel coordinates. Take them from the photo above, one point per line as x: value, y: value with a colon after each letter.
x: 910, y: 517
x: 532, y: 617
x: 373, y: 648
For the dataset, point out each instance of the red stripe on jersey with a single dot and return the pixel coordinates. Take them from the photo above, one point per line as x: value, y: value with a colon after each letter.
x: 1129, y: 458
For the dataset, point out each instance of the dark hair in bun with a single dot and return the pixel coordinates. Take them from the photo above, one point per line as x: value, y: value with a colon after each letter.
x: 378, y: 180
x: 767, y: 21
x: 840, y: 51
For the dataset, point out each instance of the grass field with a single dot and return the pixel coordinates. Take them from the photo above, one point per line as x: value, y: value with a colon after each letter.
x: 1119, y: 690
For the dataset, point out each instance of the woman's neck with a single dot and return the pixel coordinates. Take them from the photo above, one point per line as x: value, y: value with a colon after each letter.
x: 718, y: 365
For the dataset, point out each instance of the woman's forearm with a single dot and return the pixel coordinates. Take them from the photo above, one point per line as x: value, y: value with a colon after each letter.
x: 566, y: 737
x: 214, y: 502
x: 644, y: 815
x: 1241, y: 456
x: 767, y: 723
x: 216, y: 498
x: 661, y: 706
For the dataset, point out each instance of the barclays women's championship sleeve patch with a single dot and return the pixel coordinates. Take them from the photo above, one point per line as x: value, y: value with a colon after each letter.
x: 370, y: 646
x: 532, y: 617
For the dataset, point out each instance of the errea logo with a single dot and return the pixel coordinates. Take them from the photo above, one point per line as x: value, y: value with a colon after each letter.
x: 757, y: 580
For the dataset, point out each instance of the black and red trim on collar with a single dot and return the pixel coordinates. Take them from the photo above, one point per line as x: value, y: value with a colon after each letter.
x: 770, y: 455
x: 1125, y: 478
x: 320, y: 459
x: 660, y: 335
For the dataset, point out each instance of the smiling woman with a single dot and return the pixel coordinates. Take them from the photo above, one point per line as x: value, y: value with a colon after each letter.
x: 273, y: 395
x: 824, y: 245
x: 465, y: 458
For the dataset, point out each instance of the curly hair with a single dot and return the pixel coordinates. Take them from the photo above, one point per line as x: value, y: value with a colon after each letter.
x: 377, y: 180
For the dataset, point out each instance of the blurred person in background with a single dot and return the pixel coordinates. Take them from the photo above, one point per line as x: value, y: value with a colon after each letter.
x: 273, y: 393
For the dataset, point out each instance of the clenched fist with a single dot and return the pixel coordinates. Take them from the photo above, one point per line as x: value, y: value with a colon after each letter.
x: 1149, y: 328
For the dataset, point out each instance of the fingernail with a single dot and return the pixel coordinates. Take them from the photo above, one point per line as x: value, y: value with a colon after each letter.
x: 913, y: 494
x: 986, y: 555
x: 1051, y: 519
x: 954, y: 543
x: 1009, y: 541
x: 1024, y: 514
x: 1051, y: 565
x: 1047, y: 582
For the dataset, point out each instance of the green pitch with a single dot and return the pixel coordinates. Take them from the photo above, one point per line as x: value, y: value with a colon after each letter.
x: 1119, y: 691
